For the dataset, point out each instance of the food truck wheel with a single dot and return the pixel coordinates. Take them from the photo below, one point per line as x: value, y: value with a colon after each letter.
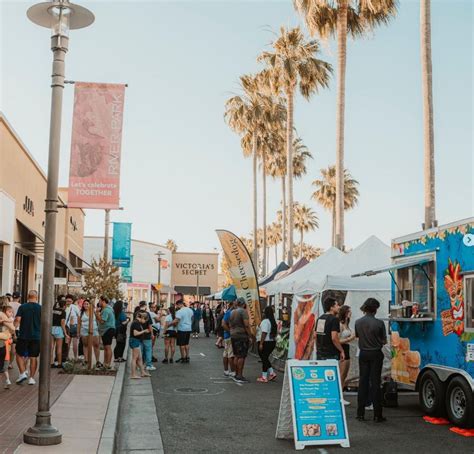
x: 460, y: 403
x: 431, y: 394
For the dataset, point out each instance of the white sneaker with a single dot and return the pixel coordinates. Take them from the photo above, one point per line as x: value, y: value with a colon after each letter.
x: 370, y: 407
x: 226, y: 373
x: 150, y: 368
x: 21, y: 378
x: 232, y: 374
x: 345, y: 402
x: 7, y: 384
x: 32, y: 381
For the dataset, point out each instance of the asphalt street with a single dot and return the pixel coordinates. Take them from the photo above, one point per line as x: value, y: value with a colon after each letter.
x: 201, y: 411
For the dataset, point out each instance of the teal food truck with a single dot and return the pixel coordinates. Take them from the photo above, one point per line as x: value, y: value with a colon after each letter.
x: 432, y: 318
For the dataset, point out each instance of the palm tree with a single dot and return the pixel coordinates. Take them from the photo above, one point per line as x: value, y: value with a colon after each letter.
x: 277, y: 168
x: 171, y: 245
x: 328, y: 18
x: 307, y: 251
x: 325, y: 193
x: 274, y: 237
x: 428, y: 126
x: 292, y: 64
x: 305, y: 221
x: 247, y: 115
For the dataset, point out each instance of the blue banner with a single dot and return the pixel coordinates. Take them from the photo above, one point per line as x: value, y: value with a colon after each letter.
x: 122, y: 244
x: 126, y: 273
x: 318, y: 409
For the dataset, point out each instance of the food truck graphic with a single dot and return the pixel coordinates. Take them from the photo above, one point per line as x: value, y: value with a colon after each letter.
x: 432, y: 318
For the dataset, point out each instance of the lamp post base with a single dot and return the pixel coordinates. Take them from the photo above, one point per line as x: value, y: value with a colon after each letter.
x: 42, y: 433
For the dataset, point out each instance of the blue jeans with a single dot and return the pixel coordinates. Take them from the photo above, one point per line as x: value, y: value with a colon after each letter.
x: 146, y: 351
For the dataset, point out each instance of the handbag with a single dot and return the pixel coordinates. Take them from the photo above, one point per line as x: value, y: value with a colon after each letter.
x: 120, y: 336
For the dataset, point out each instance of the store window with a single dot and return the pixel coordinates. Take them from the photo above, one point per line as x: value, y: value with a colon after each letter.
x: 20, y: 273
x: 469, y: 301
x: 416, y: 285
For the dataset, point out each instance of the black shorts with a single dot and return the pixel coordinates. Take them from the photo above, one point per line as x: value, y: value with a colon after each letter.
x: 28, y: 348
x: 3, y: 354
x: 108, y: 336
x: 183, y: 338
x: 240, y: 347
x: 170, y: 333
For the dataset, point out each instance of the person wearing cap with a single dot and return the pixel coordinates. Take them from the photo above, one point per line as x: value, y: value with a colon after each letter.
x: 372, y: 337
x: 240, y: 338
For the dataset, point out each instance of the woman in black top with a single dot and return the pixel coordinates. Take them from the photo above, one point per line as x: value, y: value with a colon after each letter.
x: 208, y: 319
x: 135, y: 343
x: 58, y: 332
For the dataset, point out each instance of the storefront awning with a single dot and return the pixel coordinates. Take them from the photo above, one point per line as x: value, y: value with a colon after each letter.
x: 60, y: 258
x: 190, y: 290
x: 414, y: 261
x: 165, y: 289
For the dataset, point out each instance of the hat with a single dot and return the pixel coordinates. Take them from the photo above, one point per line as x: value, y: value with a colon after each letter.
x: 241, y: 301
x: 16, y: 295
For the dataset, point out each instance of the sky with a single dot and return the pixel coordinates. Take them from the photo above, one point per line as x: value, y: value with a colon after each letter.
x: 183, y: 173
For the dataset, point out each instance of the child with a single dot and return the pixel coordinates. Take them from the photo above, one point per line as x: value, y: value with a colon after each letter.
x: 135, y: 343
x: 7, y: 330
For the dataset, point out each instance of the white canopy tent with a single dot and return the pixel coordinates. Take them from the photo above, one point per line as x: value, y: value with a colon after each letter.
x: 326, y: 263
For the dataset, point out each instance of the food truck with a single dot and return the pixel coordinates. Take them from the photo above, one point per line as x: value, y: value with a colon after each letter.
x: 432, y: 318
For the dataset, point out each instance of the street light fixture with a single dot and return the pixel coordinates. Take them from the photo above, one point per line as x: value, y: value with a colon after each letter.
x: 60, y: 16
x: 160, y: 254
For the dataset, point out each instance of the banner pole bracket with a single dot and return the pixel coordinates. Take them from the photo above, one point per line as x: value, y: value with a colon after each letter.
x: 73, y: 82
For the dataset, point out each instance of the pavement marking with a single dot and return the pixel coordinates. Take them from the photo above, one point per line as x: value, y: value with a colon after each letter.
x: 323, y: 451
x: 202, y: 354
x: 220, y: 378
x: 174, y: 393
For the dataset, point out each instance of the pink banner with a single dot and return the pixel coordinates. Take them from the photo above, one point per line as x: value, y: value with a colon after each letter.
x: 94, y: 176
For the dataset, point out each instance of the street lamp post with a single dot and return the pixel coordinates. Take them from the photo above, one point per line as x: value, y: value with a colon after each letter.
x: 60, y: 16
x: 160, y: 255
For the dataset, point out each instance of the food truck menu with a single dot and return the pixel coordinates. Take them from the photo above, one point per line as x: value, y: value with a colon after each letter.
x: 318, y: 411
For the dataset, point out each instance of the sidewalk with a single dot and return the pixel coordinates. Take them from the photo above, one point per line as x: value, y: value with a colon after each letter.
x: 79, y: 414
x: 19, y: 405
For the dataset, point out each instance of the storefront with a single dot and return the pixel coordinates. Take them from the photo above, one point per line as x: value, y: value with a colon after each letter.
x: 22, y: 194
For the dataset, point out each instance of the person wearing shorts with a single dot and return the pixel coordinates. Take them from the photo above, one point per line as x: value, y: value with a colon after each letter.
x: 240, y: 336
x: 106, y: 321
x: 58, y: 332
x: 184, y: 321
x: 28, y: 319
x: 228, y: 353
x: 170, y: 336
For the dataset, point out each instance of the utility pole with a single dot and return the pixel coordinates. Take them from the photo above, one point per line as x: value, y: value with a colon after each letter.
x: 160, y: 255
x: 106, y: 236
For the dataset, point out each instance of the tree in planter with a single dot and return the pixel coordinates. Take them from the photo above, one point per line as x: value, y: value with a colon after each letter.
x: 102, y: 279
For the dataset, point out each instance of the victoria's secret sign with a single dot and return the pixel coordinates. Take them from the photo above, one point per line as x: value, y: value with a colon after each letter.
x: 187, y: 267
x: 194, y: 269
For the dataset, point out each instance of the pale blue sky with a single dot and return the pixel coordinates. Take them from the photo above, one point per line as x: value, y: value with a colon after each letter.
x: 183, y: 174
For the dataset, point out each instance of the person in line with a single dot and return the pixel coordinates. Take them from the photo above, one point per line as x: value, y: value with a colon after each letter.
x: 183, y: 322
x: 15, y: 303
x: 228, y: 353
x: 106, y: 322
x: 155, y: 316
x: 7, y: 331
x: 170, y: 336
x: 372, y: 337
x: 72, y: 320
x: 86, y: 337
x: 208, y: 319
x: 220, y: 312
x: 137, y: 331
x: 240, y: 335
x: 328, y: 345
x: 121, y: 322
x: 197, y: 315
x: 266, y: 344
x: 58, y: 333
x: 346, y: 336
x: 28, y: 320
x: 147, y: 341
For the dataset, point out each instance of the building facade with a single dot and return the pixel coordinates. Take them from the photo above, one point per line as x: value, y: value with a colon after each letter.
x: 22, y: 195
x: 141, y: 282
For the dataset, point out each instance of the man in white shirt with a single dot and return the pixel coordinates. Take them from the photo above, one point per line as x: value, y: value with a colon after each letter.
x: 184, y: 321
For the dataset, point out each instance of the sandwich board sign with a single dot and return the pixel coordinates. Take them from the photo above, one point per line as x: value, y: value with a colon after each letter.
x: 311, y: 405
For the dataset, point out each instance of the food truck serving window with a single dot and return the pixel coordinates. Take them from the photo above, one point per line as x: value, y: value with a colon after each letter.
x: 469, y: 301
x: 415, y: 284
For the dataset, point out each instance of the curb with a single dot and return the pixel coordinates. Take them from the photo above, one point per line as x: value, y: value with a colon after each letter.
x: 108, y: 437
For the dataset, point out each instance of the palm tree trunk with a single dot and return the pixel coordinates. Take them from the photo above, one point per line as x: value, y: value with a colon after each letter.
x: 264, y: 177
x: 428, y: 126
x: 289, y: 173
x: 341, y: 93
x: 301, y: 243
x: 333, y: 214
x: 283, y: 224
x: 255, y: 245
x: 276, y: 255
